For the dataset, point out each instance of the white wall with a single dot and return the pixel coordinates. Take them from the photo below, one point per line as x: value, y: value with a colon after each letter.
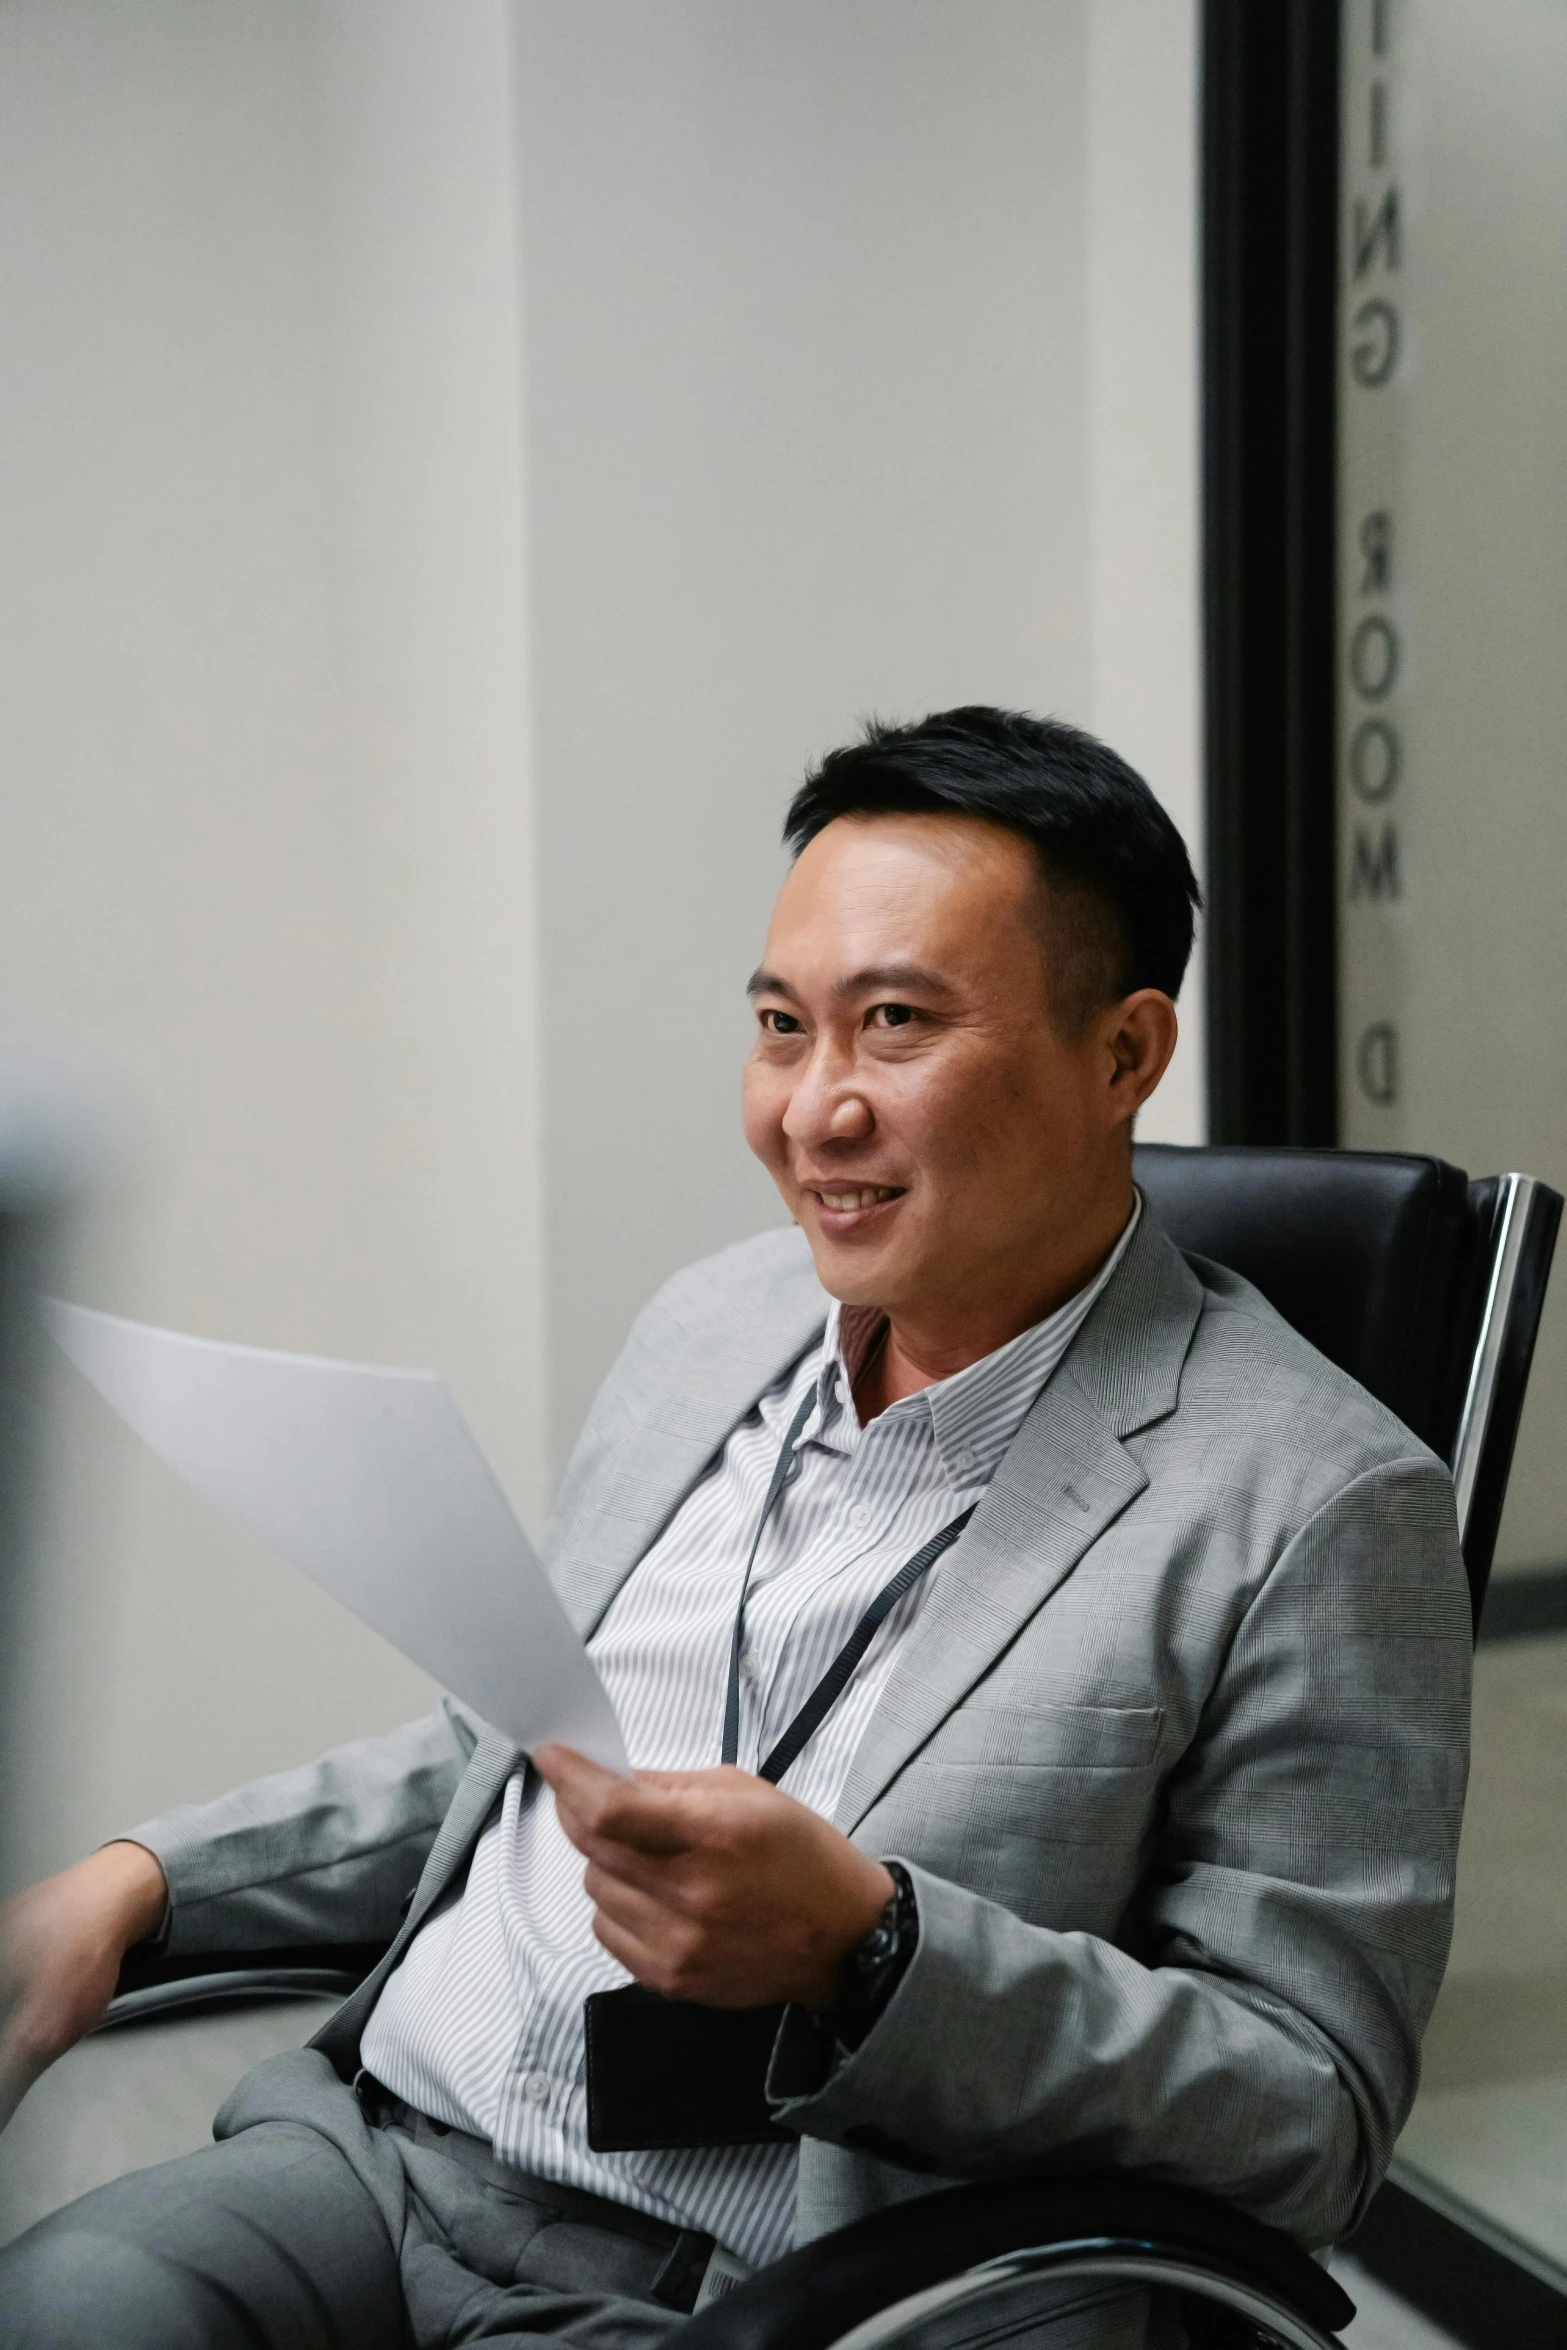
x: 425, y: 521
x: 861, y: 366
x: 264, y: 739
x: 461, y: 462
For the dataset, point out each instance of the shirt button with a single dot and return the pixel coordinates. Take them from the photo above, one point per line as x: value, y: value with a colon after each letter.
x: 860, y: 1515
x: 965, y: 1460
x: 750, y: 1670
x: 536, y: 2088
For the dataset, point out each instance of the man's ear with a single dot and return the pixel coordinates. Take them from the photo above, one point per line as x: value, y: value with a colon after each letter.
x: 1139, y: 1036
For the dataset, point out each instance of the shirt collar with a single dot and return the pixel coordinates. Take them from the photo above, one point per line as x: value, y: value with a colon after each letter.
x: 975, y: 1414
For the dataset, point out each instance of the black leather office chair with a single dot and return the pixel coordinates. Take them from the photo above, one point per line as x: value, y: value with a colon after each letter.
x: 1427, y: 1287
x: 1423, y: 1285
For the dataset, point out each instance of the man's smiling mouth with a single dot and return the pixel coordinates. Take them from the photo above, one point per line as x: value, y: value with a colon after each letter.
x: 864, y: 1195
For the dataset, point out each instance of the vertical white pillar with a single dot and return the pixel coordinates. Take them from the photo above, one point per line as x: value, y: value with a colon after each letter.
x: 423, y: 427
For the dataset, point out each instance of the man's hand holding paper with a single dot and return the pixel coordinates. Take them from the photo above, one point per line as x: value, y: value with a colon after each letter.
x: 715, y: 1886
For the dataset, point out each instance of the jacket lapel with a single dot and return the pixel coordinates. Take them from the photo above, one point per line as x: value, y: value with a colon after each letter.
x: 1065, y: 1478
x: 673, y: 1412
x: 489, y: 1767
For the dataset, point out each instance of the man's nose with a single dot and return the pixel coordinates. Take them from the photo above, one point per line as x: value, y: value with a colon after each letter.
x: 827, y: 1105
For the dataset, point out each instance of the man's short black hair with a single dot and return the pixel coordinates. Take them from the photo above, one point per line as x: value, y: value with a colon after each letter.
x: 1120, y: 886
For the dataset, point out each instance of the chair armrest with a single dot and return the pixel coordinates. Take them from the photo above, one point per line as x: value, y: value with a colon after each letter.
x: 814, y: 2297
x: 153, y: 1984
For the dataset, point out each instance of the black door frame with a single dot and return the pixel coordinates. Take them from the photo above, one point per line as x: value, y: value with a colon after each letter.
x: 1270, y: 176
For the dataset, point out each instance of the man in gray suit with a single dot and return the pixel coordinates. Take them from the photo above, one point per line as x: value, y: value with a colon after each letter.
x: 1050, y: 1678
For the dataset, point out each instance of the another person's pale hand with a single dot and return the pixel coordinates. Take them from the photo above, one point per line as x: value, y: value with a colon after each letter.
x: 61, y: 1944
x: 714, y: 1886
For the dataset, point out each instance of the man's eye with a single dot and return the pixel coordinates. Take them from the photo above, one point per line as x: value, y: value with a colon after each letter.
x: 894, y: 1015
x: 781, y: 1024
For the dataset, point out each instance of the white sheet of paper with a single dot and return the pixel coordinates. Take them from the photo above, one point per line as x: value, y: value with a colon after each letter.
x: 372, y: 1484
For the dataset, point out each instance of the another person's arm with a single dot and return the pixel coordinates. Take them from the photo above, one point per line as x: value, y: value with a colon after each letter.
x: 325, y: 1853
x: 61, y: 1944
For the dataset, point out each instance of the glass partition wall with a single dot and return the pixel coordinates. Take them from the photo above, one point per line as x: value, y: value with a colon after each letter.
x: 1385, y: 362
x: 1452, y: 906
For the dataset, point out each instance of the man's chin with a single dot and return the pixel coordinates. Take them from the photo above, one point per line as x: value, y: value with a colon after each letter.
x: 858, y: 1268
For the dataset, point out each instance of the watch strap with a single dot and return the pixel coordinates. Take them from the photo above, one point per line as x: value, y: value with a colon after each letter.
x: 876, y: 1966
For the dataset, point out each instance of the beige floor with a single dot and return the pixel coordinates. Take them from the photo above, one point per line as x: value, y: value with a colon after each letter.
x: 1490, y: 2124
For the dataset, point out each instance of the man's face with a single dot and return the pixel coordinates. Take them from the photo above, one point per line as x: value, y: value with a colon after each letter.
x: 930, y: 1127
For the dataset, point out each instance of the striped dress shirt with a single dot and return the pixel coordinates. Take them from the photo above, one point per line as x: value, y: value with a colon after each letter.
x: 481, y: 2025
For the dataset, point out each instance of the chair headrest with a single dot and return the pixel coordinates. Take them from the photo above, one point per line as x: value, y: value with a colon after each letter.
x: 1370, y: 1255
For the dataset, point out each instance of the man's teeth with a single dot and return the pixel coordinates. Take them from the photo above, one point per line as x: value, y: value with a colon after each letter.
x: 867, y: 1197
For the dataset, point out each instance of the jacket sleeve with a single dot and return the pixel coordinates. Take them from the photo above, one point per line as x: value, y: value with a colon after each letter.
x: 326, y: 1853
x: 1255, y: 2029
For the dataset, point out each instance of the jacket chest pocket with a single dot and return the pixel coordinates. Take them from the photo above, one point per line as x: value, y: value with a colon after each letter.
x: 1048, y: 1810
x: 1048, y: 1737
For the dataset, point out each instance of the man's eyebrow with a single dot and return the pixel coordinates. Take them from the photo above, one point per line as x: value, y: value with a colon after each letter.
x: 910, y: 978
x: 892, y: 978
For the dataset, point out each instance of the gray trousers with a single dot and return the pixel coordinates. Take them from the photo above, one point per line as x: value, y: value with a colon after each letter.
x: 309, y: 2225
x: 312, y: 2224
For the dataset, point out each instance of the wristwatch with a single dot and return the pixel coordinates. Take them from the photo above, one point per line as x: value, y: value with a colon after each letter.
x: 876, y: 1966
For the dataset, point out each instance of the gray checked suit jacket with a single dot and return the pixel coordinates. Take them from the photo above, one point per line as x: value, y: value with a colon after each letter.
x: 1174, y: 1752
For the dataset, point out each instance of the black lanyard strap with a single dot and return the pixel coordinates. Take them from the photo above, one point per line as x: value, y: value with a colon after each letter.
x: 783, y: 1465
x: 833, y: 1682
x: 836, y: 1678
